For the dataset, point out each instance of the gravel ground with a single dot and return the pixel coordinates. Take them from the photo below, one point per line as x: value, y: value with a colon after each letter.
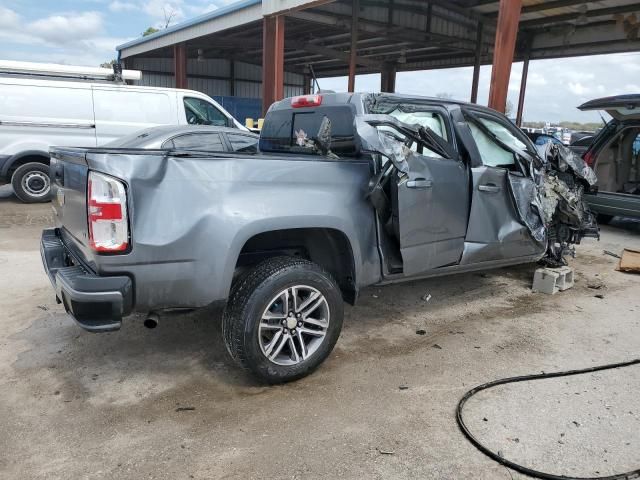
x: 79, y: 405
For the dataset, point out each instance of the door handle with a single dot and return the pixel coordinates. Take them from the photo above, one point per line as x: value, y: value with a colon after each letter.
x: 419, y: 183
x: 490, y: 187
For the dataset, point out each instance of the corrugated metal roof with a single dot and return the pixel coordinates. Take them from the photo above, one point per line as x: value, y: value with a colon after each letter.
x: 411, y: 34
x: 187, y: 30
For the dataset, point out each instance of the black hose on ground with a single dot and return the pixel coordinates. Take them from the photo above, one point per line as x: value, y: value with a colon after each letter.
x: 520, y: 468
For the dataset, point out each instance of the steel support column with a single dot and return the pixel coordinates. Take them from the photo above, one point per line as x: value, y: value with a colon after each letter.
x: 180, y: 64
x: 523, y: 89
x: 272, y: 60
x: 355, y: 12
x: 476, y: 64
x: 388, y: 77
x: 232, y: 78
x: 306, y: 84
x: 505, y: 44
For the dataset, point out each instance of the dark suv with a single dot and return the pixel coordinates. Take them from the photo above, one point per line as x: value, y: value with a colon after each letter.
x: 615, y: 157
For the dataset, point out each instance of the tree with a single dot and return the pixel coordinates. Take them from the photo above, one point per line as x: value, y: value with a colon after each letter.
x: 109, y: 64
x: 149, y: 31
x: 168, y: 15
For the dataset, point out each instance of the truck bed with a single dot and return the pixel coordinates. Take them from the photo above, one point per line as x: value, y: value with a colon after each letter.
x: 191, y: 214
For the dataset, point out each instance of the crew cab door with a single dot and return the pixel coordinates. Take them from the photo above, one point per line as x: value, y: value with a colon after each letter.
x: 496, y: 230
x: 428, y: 187
x: 432, y: 212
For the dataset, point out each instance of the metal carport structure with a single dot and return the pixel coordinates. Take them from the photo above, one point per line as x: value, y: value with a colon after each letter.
x: 225, y: 50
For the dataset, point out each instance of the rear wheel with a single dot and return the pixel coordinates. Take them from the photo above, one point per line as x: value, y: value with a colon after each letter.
x: 283, y: 319
x: 31, y: 182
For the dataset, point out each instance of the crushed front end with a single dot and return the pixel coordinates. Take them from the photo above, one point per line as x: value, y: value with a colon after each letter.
x: 562, y: 179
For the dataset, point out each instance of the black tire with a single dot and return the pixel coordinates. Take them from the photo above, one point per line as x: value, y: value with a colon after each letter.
x: 249, y: 298
x: 604, y: 219
x: 35, y: 174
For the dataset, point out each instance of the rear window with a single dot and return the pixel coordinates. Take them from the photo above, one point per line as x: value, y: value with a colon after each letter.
x: 243, y: 143
x: 283, y: 128
x: 208, y: 142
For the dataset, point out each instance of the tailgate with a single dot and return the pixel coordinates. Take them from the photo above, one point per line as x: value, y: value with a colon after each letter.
x: 69, y: 171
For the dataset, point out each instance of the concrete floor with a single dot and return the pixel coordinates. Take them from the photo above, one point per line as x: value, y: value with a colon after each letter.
x: 79, y: 405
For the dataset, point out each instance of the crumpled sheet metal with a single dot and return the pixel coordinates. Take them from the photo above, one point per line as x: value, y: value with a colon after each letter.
x: 375, y: 140
x: 563, y: 158
x: 537, y: 198
x: 557, y: 196
x: 528, y: 204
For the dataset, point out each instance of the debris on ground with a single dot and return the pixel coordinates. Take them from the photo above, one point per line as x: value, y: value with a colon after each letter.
x: 629, y: 261
x: 385, y: 452
x: 426, y: 297
x: 611, y: 254
x: 403, y: 387
x: 185, y: 409
x: 552, y: 280
x: 596, y: 284
x: 599, y: 295
x: 421, y: 332
x: 435, y: 345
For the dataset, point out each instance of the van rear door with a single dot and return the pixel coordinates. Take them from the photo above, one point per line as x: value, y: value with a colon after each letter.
x: 35, y: 114
x: 122, y: 110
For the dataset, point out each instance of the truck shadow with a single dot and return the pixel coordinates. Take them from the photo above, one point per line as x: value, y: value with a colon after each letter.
x: 188, y: 348
x: 625, y: 223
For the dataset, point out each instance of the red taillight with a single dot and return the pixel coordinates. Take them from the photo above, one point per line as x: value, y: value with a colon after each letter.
x: 589, y: 158
x: 107, y: 213
x: 306, y: 101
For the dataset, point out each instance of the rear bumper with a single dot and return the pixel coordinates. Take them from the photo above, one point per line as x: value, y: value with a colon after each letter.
x: 96, y: 303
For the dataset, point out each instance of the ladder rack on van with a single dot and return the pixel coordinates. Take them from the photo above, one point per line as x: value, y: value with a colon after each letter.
x: 68, y: 71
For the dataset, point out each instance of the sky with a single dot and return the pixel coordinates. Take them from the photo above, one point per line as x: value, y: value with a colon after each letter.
x: 86, y: 32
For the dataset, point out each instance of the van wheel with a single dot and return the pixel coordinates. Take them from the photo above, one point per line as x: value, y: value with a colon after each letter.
x: 283, y: 319
x: 31, y: 182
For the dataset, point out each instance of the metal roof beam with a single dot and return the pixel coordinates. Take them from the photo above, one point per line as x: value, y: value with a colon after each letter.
x: 541, y: 7
x: 600, y: 12
x: 331, y: 53
x: 423, y: 9
x: 398, y: 32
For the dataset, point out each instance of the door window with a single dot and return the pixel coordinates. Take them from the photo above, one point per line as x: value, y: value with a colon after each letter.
x: 425, y: 118
x: 201, y: 112
x: 243, y: 143
x: 492, y: 153
x: 208, y: 142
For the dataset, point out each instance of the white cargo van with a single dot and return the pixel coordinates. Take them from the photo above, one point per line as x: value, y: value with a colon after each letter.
x: 42, y: 105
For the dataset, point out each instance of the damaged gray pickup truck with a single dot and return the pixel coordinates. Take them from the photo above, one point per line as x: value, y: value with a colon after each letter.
x: 348, y: 190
